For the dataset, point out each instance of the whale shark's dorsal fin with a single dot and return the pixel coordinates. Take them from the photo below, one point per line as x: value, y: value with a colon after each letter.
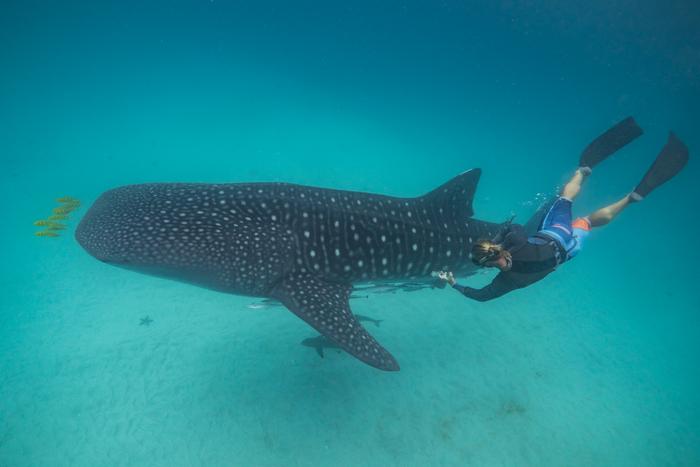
x: 326, y: 307
x: 455, y: 197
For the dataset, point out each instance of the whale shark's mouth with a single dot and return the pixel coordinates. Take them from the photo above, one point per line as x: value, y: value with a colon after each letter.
x: 97, y: 230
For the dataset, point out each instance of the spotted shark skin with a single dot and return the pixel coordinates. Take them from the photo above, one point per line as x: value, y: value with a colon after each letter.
x: 303, y: 246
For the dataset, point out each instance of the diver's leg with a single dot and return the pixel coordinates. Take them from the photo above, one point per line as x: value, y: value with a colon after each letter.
x: 573, y: 186
x: 604, y: 215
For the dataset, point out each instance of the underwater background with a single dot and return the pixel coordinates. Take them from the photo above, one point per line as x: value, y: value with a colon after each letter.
x: 596, y: 365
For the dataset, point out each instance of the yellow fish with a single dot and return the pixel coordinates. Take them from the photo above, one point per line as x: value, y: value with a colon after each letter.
x: 68, y: 199
x: 49, y: 224
x: 46, y: 233
x: 63, y: 210
x: 57, y: 217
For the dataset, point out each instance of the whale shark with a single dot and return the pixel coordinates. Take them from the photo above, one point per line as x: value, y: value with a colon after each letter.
x: 303, y: 246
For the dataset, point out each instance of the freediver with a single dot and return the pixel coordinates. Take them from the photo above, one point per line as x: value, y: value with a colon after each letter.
x: 525, y: 259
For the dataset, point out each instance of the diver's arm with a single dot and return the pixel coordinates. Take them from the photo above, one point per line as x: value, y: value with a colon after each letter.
x: 498, y: 287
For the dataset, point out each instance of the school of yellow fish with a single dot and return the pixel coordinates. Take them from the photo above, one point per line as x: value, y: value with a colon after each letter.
x: 55, y: 222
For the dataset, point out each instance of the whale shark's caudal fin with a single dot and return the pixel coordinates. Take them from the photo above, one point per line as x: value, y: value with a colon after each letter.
x: 326, y: 307
x: 455, y: 197
x: 533, y: 225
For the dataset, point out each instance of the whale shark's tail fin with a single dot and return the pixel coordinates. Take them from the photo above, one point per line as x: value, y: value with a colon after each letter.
x: 453, y: 200
x: 326, y: 307
x: 535, y: 222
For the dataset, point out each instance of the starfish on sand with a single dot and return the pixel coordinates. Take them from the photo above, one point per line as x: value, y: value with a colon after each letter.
x: 146, y: 321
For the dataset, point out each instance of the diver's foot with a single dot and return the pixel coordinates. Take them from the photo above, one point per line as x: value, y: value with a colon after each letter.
x: 585, y: 171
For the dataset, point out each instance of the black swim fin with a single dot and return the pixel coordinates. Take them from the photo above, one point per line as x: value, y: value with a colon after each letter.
x: 609, y: 142
x: 671, y: 160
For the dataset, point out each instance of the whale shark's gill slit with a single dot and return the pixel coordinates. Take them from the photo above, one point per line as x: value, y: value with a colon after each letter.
x: 325, y: 306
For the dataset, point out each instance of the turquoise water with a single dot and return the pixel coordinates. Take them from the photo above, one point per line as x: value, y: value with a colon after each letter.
x: 595, y: 365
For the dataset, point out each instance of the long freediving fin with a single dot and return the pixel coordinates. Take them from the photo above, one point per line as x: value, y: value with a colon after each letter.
x: 613, y: 139
x: 326, y: 308
x: 671, y: 160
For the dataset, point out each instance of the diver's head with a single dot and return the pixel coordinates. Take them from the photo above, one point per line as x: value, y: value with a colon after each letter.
x: 488, y: 254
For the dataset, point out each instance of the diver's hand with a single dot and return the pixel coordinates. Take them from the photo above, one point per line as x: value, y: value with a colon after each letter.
x: 447, y: 277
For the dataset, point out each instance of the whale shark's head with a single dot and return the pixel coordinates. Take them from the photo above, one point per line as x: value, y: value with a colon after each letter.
x: 108, y: 231
x: 145, y: 228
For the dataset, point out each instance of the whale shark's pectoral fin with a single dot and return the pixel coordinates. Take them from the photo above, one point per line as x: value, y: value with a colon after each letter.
x: 325, y: 306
